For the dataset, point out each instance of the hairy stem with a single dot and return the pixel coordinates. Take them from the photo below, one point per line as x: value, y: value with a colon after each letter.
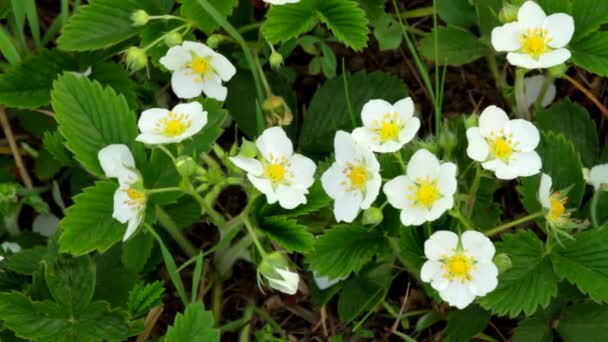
x: 520, y: 94
x: 514, y: 223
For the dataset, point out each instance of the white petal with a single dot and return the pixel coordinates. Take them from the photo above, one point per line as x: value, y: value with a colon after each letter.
x: 526, y: 163
x: 287, y: 283
x: 290, y: 197
x: 324, y: 283
x: 409, y: 130
x: 374, y: 110
x: 544, y: 191
x: 430, y: 270
x: 533, y: 86
x: 114, y: 159
x: 13, y: 247
x: 185, y: 84
x: 561, y: 29
x: 303, y: 169
x: 214, y: 89
x: 440, y: 283
x: 264, y: 186
x: 522, y: 60
x: 372, y: 189
x: 176, y: 58
x: 477, y: 148
x: 369, y: 158
x: 396, y: 192
x: 477, y: 245
x: 598, y: 175
x: 442, y: 243
x: 250, y: 165
x: 423, y: 164
x: 492, y: 120
x: 531, y: 14
x: 346, y: 147
x: 364, y: 137
x: 199, y: 49
x: 404, y: 108
x: 525, y: 135
x: 501, y: 170
x: 274, y: 144
x: 413, y: 216
x: 132, y: 226
x: 485, y: 278
x: 507, y: 37
x: 439, y: 207
x: 447, y: 179
x: 123, y: 212
x: 223, y: 67
x: 553, y: 58
x: 346, y: 207
x: 457, y: 294
x: 149, y: 118
x: 332, y: 179
x: 387, y: 147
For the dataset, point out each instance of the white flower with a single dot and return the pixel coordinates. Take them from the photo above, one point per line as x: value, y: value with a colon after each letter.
x: 130, y: 198
x: 281, y: 175
x: 353, y: 180
x: 323, y: 282
x: 535, y: 40
x: 13, y: 247
x: 554, y: 203
x: 386, y: 127
x: 274, y: 267
x: 163, y: 126
x: 598, y: 176
x: 197, y: 68
x: 533, y: 86
x: 281, y: 2
x: 460, y: 269
x: 504, y: 146
x: 427, y: 190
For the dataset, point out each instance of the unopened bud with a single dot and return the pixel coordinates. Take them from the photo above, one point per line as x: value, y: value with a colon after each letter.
x: 140, y: 18
x: 502, y: 262
x: 508, y: 13
x: 275, y: 269
x: 186, y: 166
x: 471, y: 121
x: 372, y: 216
x: 276, y: 60
x: 248, y: 149
x: 136, y: 58
x: 214, y: 40
x: 277, y: 112
x: 447, y: 139
x: 173, y: 39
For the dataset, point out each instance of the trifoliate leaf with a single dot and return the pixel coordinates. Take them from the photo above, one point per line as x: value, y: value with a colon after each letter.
x: 192, y: 10
x: 195, y: 324
x: 584, y: 322
x: 529, y: 284
x: 591, y: 52
x: 584, y: 262
x: 91, y: 117
x: 344, y: 249
x: 71, y: 281
x: 455, y: 46
x: 588, y: 16
x: 457, y: 12
x: 463, y: 325
x: 88, y: 224
x: 344, y: 18
x: 142, y: 297
x: 573, y: 121
x: 287, y: 233
x: 27, y: 261
x: 364, y: 291
x: 28, y: 84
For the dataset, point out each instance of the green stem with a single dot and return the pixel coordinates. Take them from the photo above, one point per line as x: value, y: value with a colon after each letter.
x: 216, y: 218
x: 161, y: 190
x: 247, y: 317
x: 167, y: 152
x: 593, y: 207
x: 166, y: 17
x: 520, y: 94
x: 219, y: 18
x: 249, y: 27
x: 458, y: 215
x: 218, y: 294
x: 173, y: 230
x: 400, y: 159
x: 159, y: 39
x: 501, y: 83
x: 263, y: 77
x: 253, y: 234
x: 514, y: 223
x: 417, y: 13
x: 473, y: 190
x: 543, y: 91
x: 349, y: 105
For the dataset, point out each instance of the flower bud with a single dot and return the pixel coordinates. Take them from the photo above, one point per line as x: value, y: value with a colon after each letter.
x: 186, y: 166
x: 248, y: 149
x: 136, y: 58
x: 173, y: 39
x: 471, y: 121
x: 372, y: 216
x: 140, y: 18
x: 276, y: 60
x: 508, y: 13
x: 214, y: 40
x: 502, y: 262
x: 275, y: 269
x: 558, y: 70
x: 447, y: 139
x: 277, y: 112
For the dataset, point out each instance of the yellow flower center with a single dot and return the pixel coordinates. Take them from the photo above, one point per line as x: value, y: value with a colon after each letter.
x: 136, y: 197
x: 459, y: 266
x: 173, y: 124
x: 557, y: 207
x: 358, y: 177
x: 200, y: 65
x: 501, y: 148
x: 388, y: 128
x: 275, y: 172
x: 425, y: 194
x: 534, y: 42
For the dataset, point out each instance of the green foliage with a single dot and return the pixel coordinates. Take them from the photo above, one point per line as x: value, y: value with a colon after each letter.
x: 411, y: 247
x: 345, y: 249
x: 91, y: 117
x: 71, y: 282
x: 55, y: 145
x: 455, y: 46
x: 287, y: 233
x: 588, y: 16
x: 364, y: 291
x: 584, y: 322
x: 591, y: 52
x: 457, y: 12
x: 88, y: 224
x: 328, y: 110
x: 463, y: 325
x: 195, y: 324
x: 143, y: 298
x: 487, y: 14
x: 344, y: 18
x: 192, y: 10
x: 136, y: 251
x: 27, y: 261
x: 556, y: 6
x: 526, y: 286
x: 584, y: 262
x: 573, y: 121
x: 315, y: 200
x: 486, y: 212
x: 28, y: 84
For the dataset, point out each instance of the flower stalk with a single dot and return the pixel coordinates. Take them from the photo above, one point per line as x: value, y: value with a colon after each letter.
x: 520, y: 94
x: 514, y: 223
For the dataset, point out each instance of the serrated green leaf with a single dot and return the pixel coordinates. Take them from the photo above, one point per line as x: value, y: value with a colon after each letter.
x: 344, y: 18
x: 588, y: 16
x: 46, y: 166
x: 591, y: 52
x: 100, y: 24
x: 364, y: 291
x: 328, y: 110
x: 54, y: 143
x: 486, y: 212
x: 142, y: 297
x: 584, y: 262
x: 455, y: 46
x: 345, y: 249
x: 113, y: 279
x: 411, y: 247
x: 537, y: 328
x: 27, y: 261
x: 71, y: 281
x: 529, y: 284
x: 88, y: 224
x: 28, y: 84
x: 573, y: 121
x: 457, y: 12
x: 463, y: 325
x: 195, y: 324
x: 584, y: 322
x: 136, y: 251
x: 287, y: 233
x: 373, y: 8
x: 195, y: 12
x: 116, y: 76
x: 91, y: 117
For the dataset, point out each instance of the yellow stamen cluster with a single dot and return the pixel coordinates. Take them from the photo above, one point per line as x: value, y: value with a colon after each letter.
x: 534, y: 42
x: 357, y: 175
x: 459, y: 267
x: 278, y: 170
x: 200, y: 65
x: 425, y: 193
x: 502, y: 146
x: 388, y: 128
x: 136, y: 197
x: 557, y: 210
x: 173, y: 124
